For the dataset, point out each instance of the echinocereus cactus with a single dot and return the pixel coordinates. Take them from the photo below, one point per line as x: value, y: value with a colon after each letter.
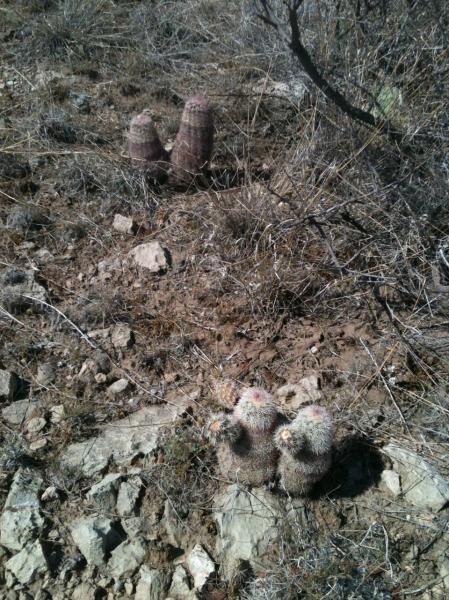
x: 305, y: 446
x: 145, y: 148
x: 226, y: 393
x: 245, y: 445
x: 194, y: 142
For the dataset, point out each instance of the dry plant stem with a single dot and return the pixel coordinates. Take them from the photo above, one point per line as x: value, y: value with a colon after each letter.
x: 293, y: 41
x: 61, y: 314
x: 387, y: 387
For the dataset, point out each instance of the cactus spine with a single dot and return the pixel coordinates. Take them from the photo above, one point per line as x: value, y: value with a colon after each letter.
x: 245, y: 445
x: 194, y: 142
x: 305, y: 446
x: 145, y: 148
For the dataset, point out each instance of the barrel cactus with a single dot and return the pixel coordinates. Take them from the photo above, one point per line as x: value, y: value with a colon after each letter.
x: 194, y: 142
x: 145, y: 147
x: 305, y: 447
x: 244, y: 439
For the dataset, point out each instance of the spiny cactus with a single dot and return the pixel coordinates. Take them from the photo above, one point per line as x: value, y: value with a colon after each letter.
x: 223, y: 428
x: 226, y: 393
x: 145, y: 148
x: 305, y: 446
x: 245, y: 445
x: 194, y: 142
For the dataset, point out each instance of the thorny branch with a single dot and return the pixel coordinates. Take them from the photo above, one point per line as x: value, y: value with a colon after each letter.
x: 292, y: 39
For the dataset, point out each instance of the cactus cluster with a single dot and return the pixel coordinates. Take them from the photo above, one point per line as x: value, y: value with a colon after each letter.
x: 253, y: 446
x: 192, y: 148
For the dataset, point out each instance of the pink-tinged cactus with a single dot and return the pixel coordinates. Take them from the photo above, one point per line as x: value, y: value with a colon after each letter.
x: 194, y: 142
x: 245, y: 445
x: 305, y: 446
x: 145, y: 148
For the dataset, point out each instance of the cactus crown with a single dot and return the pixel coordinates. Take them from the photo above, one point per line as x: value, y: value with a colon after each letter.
x: 256, y: 409
x: 287, y: 438
x: 198, y: 103
x: 314, y: 424
x: 222, y: 428
x: 143, y: 141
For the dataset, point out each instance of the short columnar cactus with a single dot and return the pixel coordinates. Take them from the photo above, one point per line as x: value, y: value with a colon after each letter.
x: 194, y: 142
x: 145, y: 148
x: 305, y: 446
x: 245, y: 445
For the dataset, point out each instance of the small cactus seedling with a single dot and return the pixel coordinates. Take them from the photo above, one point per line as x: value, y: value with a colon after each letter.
x: 245, y: 445
x: 223, y: 428
x: 145, y: 148
x: 194, y: 142
x: 305, y: 446
x: 226, y: 393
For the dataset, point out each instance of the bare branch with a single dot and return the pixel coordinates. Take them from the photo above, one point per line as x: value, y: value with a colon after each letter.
x: 293, y: 40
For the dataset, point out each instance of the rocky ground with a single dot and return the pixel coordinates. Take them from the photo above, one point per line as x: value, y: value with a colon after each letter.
x: 123, y: 302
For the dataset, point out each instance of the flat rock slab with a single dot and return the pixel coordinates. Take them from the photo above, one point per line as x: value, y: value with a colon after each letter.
x: 153, y: 584
x: 180, y: 589
x: 104, y: 493
x: 127, y: 558
x: 21, y: 521
x: 422, y: 485
x: 27, y: 564
x: 95, y: 537
x: 151, y: 256
x: 124, y: 224
x: 200, y: 565
x: 248, y: 527
x: 20, y: 410
x: 8, y: 385
x: 123, y: 440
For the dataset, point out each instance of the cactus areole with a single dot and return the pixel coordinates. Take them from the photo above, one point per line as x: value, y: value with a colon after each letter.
x: 194, y: 142
x: 145, y: 148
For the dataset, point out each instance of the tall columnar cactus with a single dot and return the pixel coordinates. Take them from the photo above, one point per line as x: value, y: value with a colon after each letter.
x: 305, y: 446
x: 245, y: 445
x: 194, y: 142
x: 145, y: 148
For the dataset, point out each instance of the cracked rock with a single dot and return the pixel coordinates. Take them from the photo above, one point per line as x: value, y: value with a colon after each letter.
x: 21, y: 521
x: 180, y: 588
x: 124, y: 224
x: 122, y: 336
x: 200, y: 565
x: 104, y: 493
x: 123, y: 440
x: 28, y: 563
x: 95, y: 537
x: 153, y: 584
x: 127, y: 558
x: 118, y: 387
x: 151, y: 256
x: 8, y: 385
x: 128, y: 496
x: 248, y: 526
x: 17, y: 412
x: 421, y: 483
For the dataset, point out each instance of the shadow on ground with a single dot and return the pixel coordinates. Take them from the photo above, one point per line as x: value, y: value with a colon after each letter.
x: 356, y: 467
